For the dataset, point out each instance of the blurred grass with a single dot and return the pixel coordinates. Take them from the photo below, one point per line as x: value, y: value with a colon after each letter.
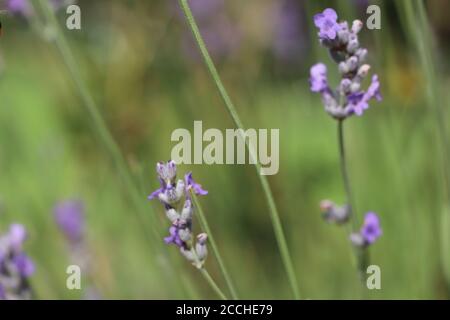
x: 129, y: 56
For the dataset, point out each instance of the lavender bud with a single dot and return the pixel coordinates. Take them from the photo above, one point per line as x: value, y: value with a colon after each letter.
x: 343, y: 35
x: 357, y: 26
x: 355, y: 86
x: 200, y: 247
x: 188, y: 209
x: 352, y: 63
x: 172, y: 215
x: 180, y: 189
x: 184, y: 234
x: 357, y: 240
x: 363, y: 71
x: 343, y: 67
x: 361, y: 53
x: 353, y: 44
x: 333, y: 213
x: 166, y: 171
x: 345, y: 85
x: 188, y: 254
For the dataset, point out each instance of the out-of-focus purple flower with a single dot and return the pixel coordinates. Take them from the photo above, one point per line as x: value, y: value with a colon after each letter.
x: 327, y: 24
x: 24, y: 265
x: 221, y: 35
x: 21, y: 7
x: 15, y: 265
x: 17, y: 235
x: 289, y: 37
x: 318, y: 78
x: 191, y: 184
x: 174, y: 237
x: 371, y: 229
x: 69, y: 216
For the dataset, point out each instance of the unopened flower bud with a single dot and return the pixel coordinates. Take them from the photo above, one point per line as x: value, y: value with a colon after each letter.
x: 357, y: 240
x: 357, y: 26
x: 333, y: 213
x: 353, y: 44
x: 363, y: 71
x: 188, y: 209
x: 166, y: 171
x: 343, y: 68
x: 172, y: 215
x: 200, y: 247
x: 352, y: 63
x: 184, y: 234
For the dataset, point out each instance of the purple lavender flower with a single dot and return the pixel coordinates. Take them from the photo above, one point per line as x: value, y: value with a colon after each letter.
x: 17, y: 236
x: 289, y: 41
x: 171, y: 194
x: 15, y: 266
x: 327, y: 24
x: 318, y: 79
x: 174, y: 237
x: 360, y: 101
x: 371, y: 229
x: 21, y: 7
x: 69, y: 216
x: 24, y: 265
x: 343, y: 44
x: 191, y: 184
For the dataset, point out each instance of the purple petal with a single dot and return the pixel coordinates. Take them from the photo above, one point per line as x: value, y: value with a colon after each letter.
x: 24, y: 265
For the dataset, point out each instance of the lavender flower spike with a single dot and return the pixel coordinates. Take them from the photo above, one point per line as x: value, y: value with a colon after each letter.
x: 327, y: 24
x: 15, y: 266
x: 343, y: 44
x: 171, y: 194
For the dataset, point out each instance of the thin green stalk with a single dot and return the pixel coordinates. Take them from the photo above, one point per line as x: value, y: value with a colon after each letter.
x: 206, y: 275
x: 276, y: 223
x: 212, y: 283
x: 212, y: 241
x: 360, y: 254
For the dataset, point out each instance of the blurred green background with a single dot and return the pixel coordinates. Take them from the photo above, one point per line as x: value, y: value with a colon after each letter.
x: 141, y: 66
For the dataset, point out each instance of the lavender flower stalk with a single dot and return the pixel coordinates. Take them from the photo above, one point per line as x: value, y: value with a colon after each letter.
x: 175, y: 196
x: 15, y: 266
x: 346, y: 100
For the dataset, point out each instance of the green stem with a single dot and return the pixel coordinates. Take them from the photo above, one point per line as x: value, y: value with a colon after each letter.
x: 360, y: 254
x: 199, y: 265
x: 212, y: 241
x: 276, y: 223
x: 212, y: 283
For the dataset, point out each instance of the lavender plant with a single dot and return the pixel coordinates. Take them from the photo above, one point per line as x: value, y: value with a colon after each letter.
x: 175, y: 196
x: 15, y: 266
x: 348, y: 99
